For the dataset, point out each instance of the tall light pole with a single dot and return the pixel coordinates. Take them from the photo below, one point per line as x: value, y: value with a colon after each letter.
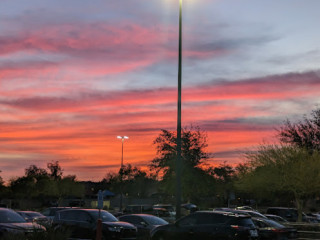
x: 179, y: 161
x: 121, y: 167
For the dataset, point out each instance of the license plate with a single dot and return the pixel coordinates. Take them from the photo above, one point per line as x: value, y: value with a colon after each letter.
x: 253, y: 233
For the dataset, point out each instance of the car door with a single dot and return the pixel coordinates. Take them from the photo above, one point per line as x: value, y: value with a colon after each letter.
x: 186, y: 228
x: 209, y: 226
x: 66, y: 221
x: 84, y: 225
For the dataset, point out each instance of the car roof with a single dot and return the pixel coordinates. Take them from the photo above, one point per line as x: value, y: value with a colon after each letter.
x: 28, y: 212
x: 138, y: 214
x: 280, y: 208
x: 81, y: 209
x: 6, y: 209
x: 231, y: 214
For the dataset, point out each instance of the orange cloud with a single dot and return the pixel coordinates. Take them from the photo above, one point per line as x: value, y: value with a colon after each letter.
x: 80, y: 129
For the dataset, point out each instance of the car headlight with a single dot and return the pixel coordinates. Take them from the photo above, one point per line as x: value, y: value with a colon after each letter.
x: 114, y: 229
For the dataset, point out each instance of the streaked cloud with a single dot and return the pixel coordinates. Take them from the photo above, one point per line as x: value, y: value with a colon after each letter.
x: 84, y: 125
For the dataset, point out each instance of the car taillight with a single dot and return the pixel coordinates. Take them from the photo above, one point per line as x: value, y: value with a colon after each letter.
x: 237, y: 227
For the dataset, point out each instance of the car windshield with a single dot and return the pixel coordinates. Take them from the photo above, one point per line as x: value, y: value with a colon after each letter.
x: 8, y: 216
x: 274, y: 224
x: 105, y: 216
x: 34, y: 214
x: 246, y: 222
x: 154, y: 220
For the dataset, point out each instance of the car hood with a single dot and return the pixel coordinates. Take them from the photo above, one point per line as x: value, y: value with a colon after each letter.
x: 20, y: 226
x: 162, y: 227
x: 156, y: 226
x: 119, y: 224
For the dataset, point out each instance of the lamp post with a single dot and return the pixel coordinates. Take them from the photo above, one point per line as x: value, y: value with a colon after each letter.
x: 178, y: 161
x: 121, y: 167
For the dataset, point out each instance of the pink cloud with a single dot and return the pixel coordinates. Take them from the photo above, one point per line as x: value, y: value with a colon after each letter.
x: 84, y: 126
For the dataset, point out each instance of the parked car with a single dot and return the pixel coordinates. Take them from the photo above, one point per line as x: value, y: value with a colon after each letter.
x: 51, y: 211
x: 82, y: 223
x: 244, y: 208
x: 164, y: 214
x: 132, y: 209
x: 12, y: 223
x: 168, y: 207
x: 207, y: 225
x: 246, y: 212
x: 32, y: 216
x: 276, y: 218
x: 311, y: 218
x: 315, y: 216
x: 290, y: 214
x: 251, y: 213
x: 144, y: 223
x: 272, y: 230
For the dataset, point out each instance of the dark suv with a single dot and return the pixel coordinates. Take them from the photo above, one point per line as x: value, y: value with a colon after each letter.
x: 208, y: 225
x: 82, y: 223
x: 290, y: 214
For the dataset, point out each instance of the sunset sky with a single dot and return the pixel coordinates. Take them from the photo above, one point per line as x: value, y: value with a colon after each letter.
x: 75, y: 74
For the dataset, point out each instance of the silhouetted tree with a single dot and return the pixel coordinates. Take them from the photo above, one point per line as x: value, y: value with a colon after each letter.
x: 38, y: 183
x: 136, y: 182
x: 304, y: 134
x: 1, y: 180
x: 194, y: 156
x: 69, y: 187
x: 55, y: 170
x: 3, y: 188
x: 224, y: 176
x: 35, y: 172
x: 193, y: 145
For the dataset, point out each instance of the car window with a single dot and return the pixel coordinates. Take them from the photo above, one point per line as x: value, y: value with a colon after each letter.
x: 83, y: 216
x: 8, y: 216
x: 46, y: 212
x: 22, y: 214
x: 74, y: 215
x: 260, y: 224
x: 274, y: 224
x: 34, y: 214
x: 245, y: 222
x: 132, y: 219
x: 188, y: 221
x: 152, y: 220
x: 161, y: 213
x: 210, y: 218
x: 67, y: 215
x: 147, y: 208
x: 105, y: 216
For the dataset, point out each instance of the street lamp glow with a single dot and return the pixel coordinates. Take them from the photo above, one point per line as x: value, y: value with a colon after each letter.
x: 123, y: 137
